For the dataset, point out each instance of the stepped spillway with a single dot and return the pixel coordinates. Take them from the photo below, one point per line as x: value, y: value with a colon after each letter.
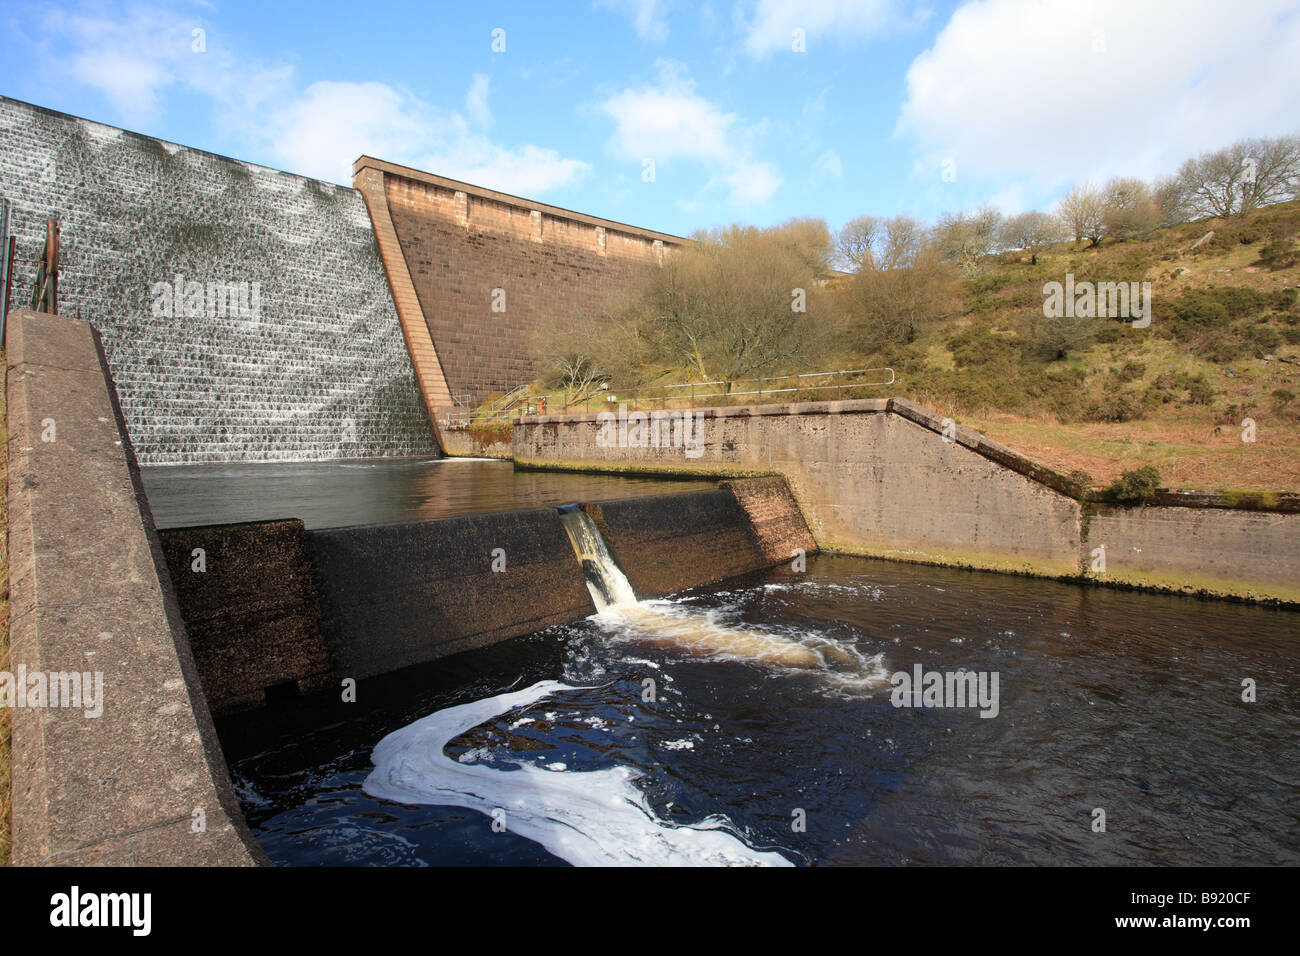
x: 305, y: 361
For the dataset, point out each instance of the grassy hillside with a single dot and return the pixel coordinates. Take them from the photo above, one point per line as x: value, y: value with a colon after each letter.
x: 1098, y: 396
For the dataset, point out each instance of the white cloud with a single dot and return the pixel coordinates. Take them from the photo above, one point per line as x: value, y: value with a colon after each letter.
x: 135, y: 59
x: 768, y: 25
x: 333, y: 123
x: 1055, y: 91
x: 668, y: 120
x: 649, y: 17
x: 827, y: 166
x: 476, y: 101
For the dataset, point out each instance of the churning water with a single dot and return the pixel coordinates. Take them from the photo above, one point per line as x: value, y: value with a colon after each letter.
x: 630, y: 738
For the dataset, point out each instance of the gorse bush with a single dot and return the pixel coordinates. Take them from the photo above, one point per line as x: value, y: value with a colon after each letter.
x: 1134, y: 487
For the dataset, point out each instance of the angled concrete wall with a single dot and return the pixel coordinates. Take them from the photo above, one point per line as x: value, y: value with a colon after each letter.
x: 319, y: 370
x: 883, y: 478
x: 90, y: 593
x: 461, y: 242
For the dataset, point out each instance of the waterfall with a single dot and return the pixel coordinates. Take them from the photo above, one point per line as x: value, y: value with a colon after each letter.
x: 695, y: 632
x: 607, y: 583
x: 245, y: 312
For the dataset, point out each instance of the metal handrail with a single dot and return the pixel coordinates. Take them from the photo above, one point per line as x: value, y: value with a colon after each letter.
x: 567, y: 400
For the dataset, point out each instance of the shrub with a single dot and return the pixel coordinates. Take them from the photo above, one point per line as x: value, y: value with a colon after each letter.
x: 1134, y: 487
x: 1116, y: 406
x: 1280, y: 254
x: 1052, y: 339
x: 1199, y: 391
x: 1265, y: 338
x: 1284, y: 300
x: 1239, y: 301
x: 1130, y: 371
x: 980, y: 346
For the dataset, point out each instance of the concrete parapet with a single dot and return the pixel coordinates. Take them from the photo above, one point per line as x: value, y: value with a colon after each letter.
x: 144, y: 781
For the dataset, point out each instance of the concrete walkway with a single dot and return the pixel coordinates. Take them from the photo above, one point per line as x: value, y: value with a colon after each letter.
x: 143, y: 782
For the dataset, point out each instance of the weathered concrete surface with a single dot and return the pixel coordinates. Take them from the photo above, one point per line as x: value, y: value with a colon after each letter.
x: 775, y: 517
x: 250, y: 609
x: 89, y: 592
x: 396, y: 595
x: 474, y: 442
x: 670, y: 542
x: 1253, y: 554
x: 884, y: 477
x: 866, y: 480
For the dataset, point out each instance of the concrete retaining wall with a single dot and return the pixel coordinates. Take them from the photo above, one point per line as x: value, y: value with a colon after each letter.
x: 248, y: 596
x: 90, y: 593
x: 885, y: 478
x: 670, y: 542
x: 397, y: 595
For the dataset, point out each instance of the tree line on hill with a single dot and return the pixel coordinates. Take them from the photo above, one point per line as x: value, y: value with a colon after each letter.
x: 743, y: 301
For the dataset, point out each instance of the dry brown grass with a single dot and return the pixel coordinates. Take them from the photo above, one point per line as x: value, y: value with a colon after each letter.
x: 1190, y: 452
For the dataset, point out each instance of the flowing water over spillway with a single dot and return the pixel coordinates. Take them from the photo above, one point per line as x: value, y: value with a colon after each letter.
x: 305, y: 362
x: 1128, y: 702
x: 335, y: 494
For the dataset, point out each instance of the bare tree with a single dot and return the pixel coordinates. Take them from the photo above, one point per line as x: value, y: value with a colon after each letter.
x: 856, y: 241
x: 738, y: 302
x: 1244, y: 176
x: 891, y: 306
x: 879, y: 243
x: 1030, y: 232
x: 1082, y: 211
x: 901, y: 243
x: 966, y: 238
x: 1167, y: 194
x: 1130, y: 209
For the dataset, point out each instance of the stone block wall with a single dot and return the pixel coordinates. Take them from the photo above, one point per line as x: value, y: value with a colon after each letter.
x: 553, y: 266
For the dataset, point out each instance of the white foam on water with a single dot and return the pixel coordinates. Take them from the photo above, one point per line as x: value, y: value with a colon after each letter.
x: 706, y: 634
x: 588, y: 818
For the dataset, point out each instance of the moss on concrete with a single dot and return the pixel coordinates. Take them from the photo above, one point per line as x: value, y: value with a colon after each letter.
x: 1250, y: 500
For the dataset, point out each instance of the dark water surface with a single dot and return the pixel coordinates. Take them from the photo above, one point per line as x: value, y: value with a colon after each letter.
x: 335, y: 494
x: 1108, y: 699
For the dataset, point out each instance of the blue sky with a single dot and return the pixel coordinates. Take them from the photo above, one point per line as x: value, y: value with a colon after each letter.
x: 889, y: 107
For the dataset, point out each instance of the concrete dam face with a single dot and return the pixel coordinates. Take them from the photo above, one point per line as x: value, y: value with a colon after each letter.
x: 245, y: 312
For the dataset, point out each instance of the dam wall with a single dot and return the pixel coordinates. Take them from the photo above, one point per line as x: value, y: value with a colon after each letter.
x: 131, y: 773
x: 491, y: 271
x: 284, y: 341
x: 885, y: 478
x: 392, y: 596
